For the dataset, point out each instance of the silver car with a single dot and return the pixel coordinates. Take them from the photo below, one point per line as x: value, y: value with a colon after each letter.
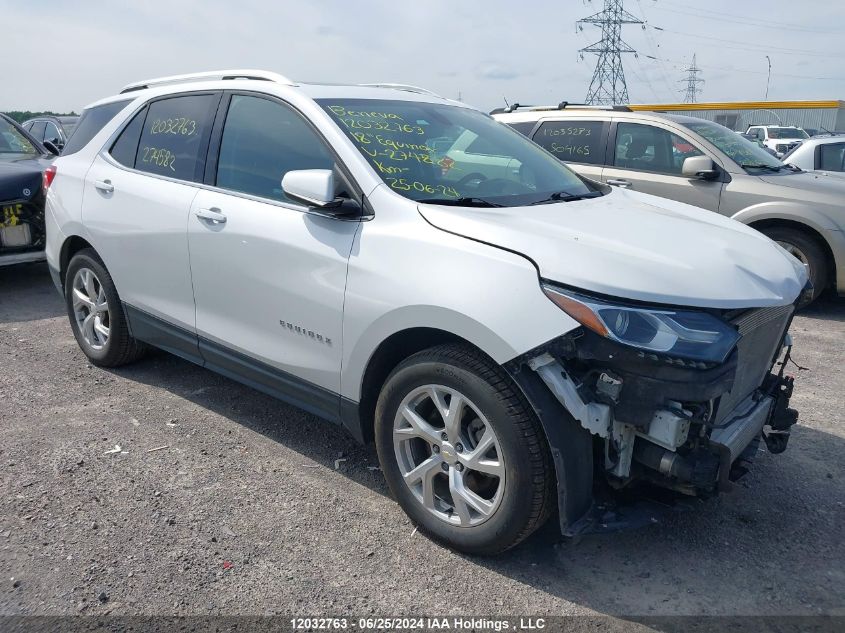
x: 704, y: 164
x: 822, y: 154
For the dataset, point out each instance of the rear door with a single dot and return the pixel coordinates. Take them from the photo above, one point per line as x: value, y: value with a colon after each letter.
x: 269, y: 276
x: 580, y: 143
x: 137, y: 199
x: 648, y: 157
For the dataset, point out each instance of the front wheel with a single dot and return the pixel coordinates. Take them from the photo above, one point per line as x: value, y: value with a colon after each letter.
x: 805, y: 249
x: 462, y: 451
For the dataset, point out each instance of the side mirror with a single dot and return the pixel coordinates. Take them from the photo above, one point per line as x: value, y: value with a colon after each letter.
x: 51, y: 147
x: 316, y: 188
x: 699, y: 168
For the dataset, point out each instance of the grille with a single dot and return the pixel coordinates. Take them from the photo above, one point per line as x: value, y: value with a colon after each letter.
x: 761, y: 332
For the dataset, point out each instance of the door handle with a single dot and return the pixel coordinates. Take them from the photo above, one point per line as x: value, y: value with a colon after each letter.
x: 619, y: 183
x: 213, y: 215
x: 104, y: 185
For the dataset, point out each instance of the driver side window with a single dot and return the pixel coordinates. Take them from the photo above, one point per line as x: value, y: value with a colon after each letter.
x: 652, y: 149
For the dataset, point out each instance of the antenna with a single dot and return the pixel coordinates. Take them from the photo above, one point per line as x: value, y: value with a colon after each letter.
x: 692, y: 90
x: 608, y: 85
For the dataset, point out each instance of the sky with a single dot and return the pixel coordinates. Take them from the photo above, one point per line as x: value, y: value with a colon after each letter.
x: 69, y: 53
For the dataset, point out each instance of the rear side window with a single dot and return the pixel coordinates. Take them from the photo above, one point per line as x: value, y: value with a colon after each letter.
x: 51, y: 133
x: 37, y: 130
x: 832, y: 157
x: 126, y: 146
x: 174, y: 138
x: 573, y: 141
x: 262, y: 141
x: 523, y: 127
x: 93, y: 120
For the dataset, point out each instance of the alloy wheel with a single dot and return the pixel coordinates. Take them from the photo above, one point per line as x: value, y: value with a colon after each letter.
x: 448, y: 455
x: 91, y: 308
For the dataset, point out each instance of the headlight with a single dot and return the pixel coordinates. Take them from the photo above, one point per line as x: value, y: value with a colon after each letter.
x: 680, y: 333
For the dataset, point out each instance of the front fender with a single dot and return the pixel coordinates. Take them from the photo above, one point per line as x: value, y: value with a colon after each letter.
x: 812, y: 216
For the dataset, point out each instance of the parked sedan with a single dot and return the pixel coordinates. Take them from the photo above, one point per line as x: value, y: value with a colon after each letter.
x: 52, y: 129
x: 24, y: 168
x: 822, y: 154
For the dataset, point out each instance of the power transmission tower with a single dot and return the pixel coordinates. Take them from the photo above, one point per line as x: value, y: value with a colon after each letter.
x: 692, y: 90
x: 608, y: 85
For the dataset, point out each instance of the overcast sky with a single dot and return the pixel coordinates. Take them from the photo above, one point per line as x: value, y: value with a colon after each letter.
x: 483, y: 49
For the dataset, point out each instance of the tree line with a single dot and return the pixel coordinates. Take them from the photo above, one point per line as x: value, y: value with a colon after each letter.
x: 24, y: 115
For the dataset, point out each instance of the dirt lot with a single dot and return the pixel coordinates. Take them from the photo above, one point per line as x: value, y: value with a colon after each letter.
x: 244, y: 511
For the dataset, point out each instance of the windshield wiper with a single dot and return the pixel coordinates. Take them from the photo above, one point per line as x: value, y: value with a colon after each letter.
x: 565, y: 196
x: 461, y: 202
x: 762, y: 166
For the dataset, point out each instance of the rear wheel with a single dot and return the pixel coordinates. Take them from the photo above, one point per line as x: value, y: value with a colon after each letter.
x: 806, y: 249
x: 96, y: 313
x: 462, y: 452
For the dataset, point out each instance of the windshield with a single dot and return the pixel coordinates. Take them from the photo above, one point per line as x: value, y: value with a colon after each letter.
x: 454, y: 155
x: 13, y: 142
x: 743, y: 152
x: 787, y: 132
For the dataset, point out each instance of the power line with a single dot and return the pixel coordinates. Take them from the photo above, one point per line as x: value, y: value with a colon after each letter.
x: 608, y: 86
x: 693, y: 81
x: 653, y: 46
x: 742, y: 19
x: 757, y: 48
x: 680, y: 63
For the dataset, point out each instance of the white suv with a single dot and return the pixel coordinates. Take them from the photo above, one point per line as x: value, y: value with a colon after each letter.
x: 781, y: 139
x: 512, y: 336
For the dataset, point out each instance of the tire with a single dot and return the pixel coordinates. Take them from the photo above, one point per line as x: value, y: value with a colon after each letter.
x: 104, y: 338
x: 514, y: 502
x: 807, y: 249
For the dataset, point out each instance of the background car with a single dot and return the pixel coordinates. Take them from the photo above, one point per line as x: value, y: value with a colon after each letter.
x: 719, y: 171
x: 756, y: 141
x: 780, y: 138
x: 52, y: 129
x: 24, y: 166
x: 824, y: 154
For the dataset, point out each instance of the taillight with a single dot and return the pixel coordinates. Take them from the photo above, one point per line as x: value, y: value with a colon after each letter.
x: 49, y: 175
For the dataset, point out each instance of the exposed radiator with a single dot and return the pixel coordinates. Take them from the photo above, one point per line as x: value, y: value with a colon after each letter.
x: 761, y: 332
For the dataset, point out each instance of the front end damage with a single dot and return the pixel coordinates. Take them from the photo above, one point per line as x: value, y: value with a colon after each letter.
x: 687, y: 426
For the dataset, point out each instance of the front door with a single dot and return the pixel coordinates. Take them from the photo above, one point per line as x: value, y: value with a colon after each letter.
x: 269, y: 277
x: 649, y: 159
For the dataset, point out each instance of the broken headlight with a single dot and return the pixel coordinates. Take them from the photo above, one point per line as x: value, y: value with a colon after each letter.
x: 679, y: 333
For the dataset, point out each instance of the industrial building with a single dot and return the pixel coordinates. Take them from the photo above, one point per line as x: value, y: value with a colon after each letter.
x: 813, y: 116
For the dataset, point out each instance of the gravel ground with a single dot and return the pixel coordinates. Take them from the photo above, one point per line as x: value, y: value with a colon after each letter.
x: 221, y: 500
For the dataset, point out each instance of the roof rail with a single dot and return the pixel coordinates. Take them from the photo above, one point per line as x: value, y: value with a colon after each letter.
x: 262, y: 75
x: 563, y: 105
x: 405, y: 87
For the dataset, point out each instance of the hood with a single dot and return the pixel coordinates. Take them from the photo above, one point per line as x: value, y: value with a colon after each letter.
x: 817, y: 181
x: 836, y: 175
x: 636, y: 246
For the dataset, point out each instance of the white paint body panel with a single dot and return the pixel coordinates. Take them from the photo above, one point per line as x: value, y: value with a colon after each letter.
x: 470, y: 272
x: 632, y: 245
x: 139, y: 230
x: 269, y: 264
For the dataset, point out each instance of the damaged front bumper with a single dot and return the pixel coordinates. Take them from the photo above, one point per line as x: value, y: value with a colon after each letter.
x: 689, y: 429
